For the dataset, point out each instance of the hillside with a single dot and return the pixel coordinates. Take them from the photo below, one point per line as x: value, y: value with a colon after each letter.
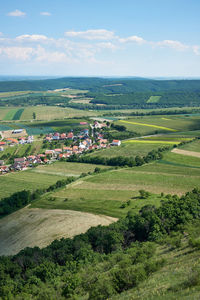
x: 120, y: 92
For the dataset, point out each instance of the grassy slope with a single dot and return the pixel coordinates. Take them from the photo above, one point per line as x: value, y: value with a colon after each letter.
x: 170, y: 281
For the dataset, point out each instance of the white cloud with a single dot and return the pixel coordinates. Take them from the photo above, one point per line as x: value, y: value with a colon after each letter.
x: 17, y: 53
x: 31, y: 38
x: 133, y: 38
x: 1, y: 34
x: 107, y: 45
x: 92, y: 34
x: 45, y: 13
x: 172, y: 44
x: 196, y: 50
x: 16, y: 13
x: 43, y: 55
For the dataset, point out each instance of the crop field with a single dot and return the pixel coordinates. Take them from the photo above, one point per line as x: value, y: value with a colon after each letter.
x: 10, y: 114
x: 130, y: 148
x: 66, y: 168
x: 194, y: 146
x: 12, y: 94
x: 42, y: 113
x: 42, y: 176
x: 53, y: 112
x: 151, y: 124
x: 28, y: 180
x: 106, y: 192
x: 57, y: 125
x: 39, y: 227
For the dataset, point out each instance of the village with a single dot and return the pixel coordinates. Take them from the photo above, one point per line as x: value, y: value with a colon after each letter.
x: 87, y: 140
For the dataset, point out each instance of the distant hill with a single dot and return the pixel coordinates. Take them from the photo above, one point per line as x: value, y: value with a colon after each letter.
x: 96, y: 84
x: 118, y: 92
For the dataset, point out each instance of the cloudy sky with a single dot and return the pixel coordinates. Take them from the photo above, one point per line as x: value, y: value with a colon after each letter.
x: 100, y: 38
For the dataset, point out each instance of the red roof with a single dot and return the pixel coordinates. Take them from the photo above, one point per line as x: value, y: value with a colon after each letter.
x: 2, y: 143
x: 115, y: 141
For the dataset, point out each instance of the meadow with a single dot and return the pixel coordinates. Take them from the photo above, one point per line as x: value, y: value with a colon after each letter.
x: 105, y: 193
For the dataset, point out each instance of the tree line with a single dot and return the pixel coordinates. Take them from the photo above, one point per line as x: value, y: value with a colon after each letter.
x: 120, y: 161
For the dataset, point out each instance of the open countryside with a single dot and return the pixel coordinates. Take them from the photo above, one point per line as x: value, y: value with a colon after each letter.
x: 74, y: 176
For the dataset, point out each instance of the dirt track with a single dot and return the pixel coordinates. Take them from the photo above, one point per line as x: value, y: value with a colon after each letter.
x: 185, y: 152
x: 39, y: 227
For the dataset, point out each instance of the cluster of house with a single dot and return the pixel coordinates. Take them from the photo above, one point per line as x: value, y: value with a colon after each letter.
x: 80, y: 143
x: 23, y: 163
x: 16, y: 141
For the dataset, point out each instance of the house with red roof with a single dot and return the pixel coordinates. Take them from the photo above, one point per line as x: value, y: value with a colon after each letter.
x: 116, y: 143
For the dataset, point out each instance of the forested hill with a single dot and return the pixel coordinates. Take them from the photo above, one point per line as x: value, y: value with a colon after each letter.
x: 104, y: 85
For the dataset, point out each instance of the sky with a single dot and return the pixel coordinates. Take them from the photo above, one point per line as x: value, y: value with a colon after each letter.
x: 145, y: 38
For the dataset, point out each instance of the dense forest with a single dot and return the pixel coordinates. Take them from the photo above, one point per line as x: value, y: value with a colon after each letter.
x: 113, y: 93
x: 104, y: 261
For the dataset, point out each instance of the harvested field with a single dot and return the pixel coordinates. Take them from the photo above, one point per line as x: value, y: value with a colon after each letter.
x: 39, y: 227
x: 185, y: 152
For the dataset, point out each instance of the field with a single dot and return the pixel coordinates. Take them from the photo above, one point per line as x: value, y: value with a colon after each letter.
x: 42, y: 113
x: 42, y: 176
x: 194, y: 146
x: 142, y: 146
x: 39, y: 227
x: 106, y: 192
x: 154, y: 99
x: 130, y: 148
x: 12, y: 94
x: 28, y: 180
x: 66, y: 169
x: 155, y: 124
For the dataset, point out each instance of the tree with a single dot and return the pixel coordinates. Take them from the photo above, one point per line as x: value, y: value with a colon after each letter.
x: 34, y: 115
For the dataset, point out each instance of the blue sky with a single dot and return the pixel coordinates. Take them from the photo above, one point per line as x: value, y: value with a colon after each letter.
x: 149, y: 38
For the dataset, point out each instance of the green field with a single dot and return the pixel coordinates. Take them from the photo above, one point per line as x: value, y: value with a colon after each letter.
x: 40, y: 177
x: 194, y: 146
x: 154, y: 99
x: 166, y: 124
x: 129, y: 148
x: 66, y: 168
x: 10, y: 114
x: 53, y: 112
x: 104, y: 193
x: 27, y: 180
